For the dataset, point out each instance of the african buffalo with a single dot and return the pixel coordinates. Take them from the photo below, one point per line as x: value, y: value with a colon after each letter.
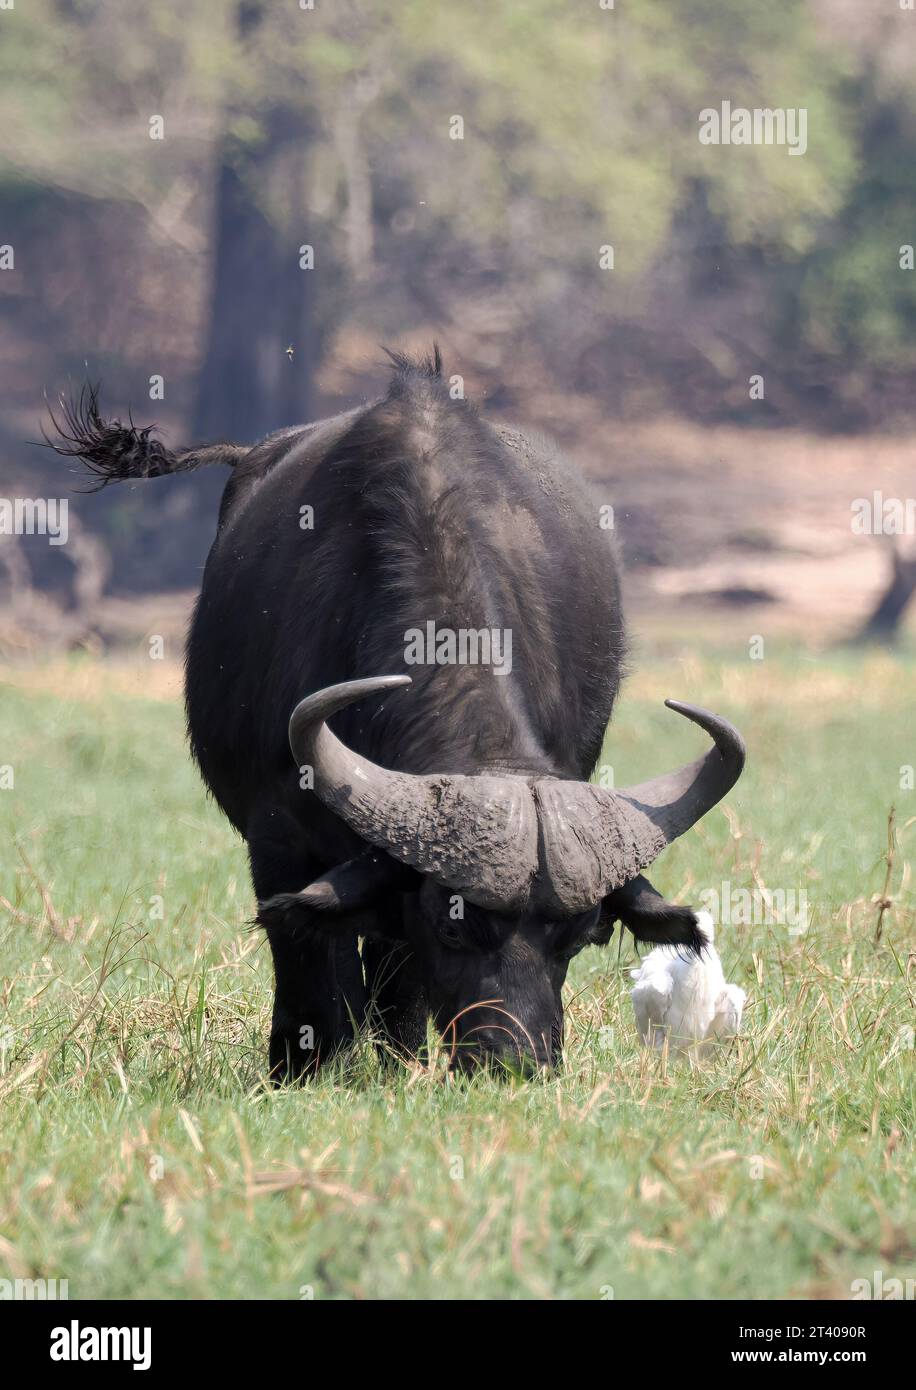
x: 437, y: 803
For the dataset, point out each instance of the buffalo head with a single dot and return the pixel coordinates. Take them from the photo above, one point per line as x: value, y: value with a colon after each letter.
x: 506, y: 876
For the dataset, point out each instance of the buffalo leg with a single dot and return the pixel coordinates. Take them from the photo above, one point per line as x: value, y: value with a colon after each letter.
x: 319, y: 988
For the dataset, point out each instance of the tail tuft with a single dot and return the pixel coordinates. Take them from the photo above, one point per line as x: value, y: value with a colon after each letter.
x: 114, y: 452
x: 111, y: 451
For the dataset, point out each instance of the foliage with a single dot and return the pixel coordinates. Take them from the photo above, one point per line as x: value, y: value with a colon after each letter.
x: 581, y: 129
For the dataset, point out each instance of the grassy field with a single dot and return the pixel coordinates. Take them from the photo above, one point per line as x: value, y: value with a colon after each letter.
x: 141, y: 1154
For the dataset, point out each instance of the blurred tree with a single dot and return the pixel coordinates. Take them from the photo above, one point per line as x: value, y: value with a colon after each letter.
x: 462, y: 164
x: 884, y: 622
x: 580, y: 129
x: 261, y: 341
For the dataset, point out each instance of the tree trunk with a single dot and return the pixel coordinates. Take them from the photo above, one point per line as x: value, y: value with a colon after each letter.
x: 262, y: 305
x: 262, y: 302
x: 884, y: 623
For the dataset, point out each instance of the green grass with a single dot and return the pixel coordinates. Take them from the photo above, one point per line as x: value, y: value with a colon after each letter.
x: 141, y: 1154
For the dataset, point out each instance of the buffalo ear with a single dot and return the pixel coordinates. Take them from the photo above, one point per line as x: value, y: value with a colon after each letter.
x: 343, y: 890
x: 650, y: 918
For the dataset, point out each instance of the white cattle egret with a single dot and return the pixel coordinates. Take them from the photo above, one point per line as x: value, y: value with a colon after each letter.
x: 684, y: 999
